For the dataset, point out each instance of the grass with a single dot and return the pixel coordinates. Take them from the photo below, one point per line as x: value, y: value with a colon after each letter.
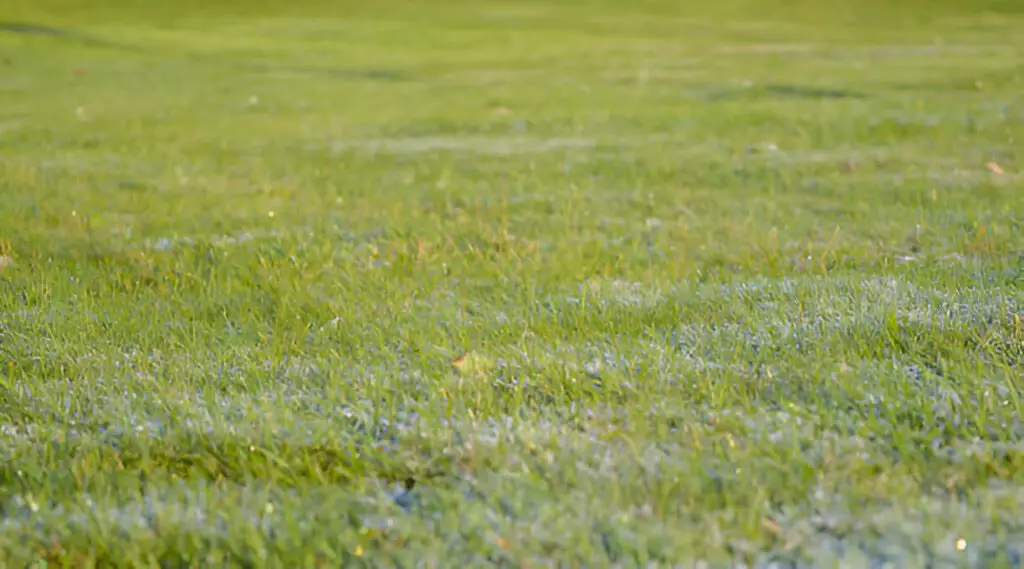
x: 733, y: 283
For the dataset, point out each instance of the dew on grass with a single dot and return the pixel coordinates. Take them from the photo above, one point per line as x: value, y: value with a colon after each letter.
x: 663, y: 373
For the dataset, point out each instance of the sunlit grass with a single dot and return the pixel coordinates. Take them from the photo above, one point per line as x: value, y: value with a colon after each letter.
x: 572, y: 285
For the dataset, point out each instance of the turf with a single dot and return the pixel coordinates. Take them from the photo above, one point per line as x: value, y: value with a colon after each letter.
x: 490, y: 284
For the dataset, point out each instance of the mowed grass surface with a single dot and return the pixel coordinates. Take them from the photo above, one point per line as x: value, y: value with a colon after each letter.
x: 735, y: 283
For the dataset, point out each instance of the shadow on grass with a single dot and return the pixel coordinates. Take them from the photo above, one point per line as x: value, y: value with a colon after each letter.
x: 59, y: 33
x: 373, y: 74
x: 800, y: 92
x: 780, y: 91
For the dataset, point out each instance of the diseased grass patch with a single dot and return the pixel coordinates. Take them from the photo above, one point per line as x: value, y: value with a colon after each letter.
x: 442, y: 287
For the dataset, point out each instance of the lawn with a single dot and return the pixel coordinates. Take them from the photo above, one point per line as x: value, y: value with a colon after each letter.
x: 571, y: 284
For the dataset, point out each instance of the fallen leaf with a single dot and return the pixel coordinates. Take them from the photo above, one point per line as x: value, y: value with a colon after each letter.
x: 993, y: 167
x: 472, y: 364
x: 460, y: 360
x: 771, y: 526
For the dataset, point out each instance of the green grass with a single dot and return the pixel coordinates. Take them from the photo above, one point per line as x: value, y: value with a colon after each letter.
x: 735, y: 282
